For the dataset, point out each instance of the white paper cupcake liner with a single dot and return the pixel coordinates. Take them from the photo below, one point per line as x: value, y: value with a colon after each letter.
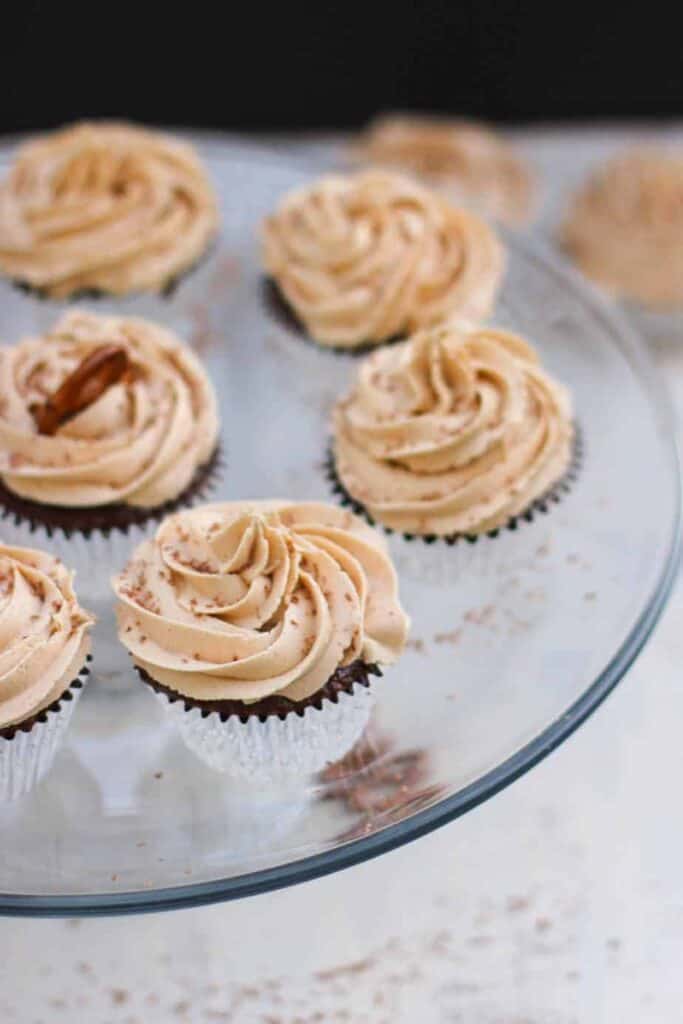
x: 27, y: 757
x: 275, y: 748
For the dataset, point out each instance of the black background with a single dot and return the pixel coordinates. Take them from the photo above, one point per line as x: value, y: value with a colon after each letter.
x: 255, y: 66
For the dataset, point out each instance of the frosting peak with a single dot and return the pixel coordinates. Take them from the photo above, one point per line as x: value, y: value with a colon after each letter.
x: 625, y: 227
x: 43, y: 633
x: 454, y: 431
x: 369, y: 256
x: 140, y: 442
x: 110, y: 207
x: 244, y: 600
x: 465, y: 159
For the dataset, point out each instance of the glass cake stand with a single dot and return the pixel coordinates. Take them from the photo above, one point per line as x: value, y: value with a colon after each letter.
x: 515, y: 639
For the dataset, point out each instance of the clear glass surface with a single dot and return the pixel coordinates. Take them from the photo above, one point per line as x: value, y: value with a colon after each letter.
x: 514, y: 642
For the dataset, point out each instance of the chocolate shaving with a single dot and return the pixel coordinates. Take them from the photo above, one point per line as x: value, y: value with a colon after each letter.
x: 104, y: 367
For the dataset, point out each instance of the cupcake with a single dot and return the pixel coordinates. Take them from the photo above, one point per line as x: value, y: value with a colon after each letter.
x: 107, y: 208
x: 363, y: 259
x: 258, y: 625
x: 44, y: 647
x: 455, y: 432
x: 467, y: 161
x: 624, y: 228
x: 105, y: 423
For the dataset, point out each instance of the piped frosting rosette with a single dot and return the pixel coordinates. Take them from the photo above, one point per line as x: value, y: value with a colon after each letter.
x: 140, y: 443
x: 624, y: 228
x: 44, y: 645
x: 364, y: 258
x: 466, y: 160
x: 250, y: 612
x: 106, y: 207
x: 454, y: 432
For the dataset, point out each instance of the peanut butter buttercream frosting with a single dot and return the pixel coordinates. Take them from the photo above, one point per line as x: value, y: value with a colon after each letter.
x: 106, y: 207
x: 74, y: 438
x: 625, y: 227
x: 44, y: 639
x: 455, y: 431
x: 245, y: 600
x: 471, y: 163
x: 363, y: 258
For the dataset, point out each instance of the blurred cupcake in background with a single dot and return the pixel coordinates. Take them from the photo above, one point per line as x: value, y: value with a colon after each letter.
x: 105, y: 423
x: 104, y: 208
x: 259, y: 625
x: 363, y: 259
x: 466, y: 160
x: 44, y: 647
x: 454, y: 433
x: 624, y: 228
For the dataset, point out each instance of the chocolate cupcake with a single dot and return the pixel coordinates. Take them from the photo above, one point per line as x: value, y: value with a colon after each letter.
x: 44, y: 647
x: 624, y: 228
x: 104, y: 208
x: 362, y: 259
x: 455, y: 433
x: 259, y: 624
x: 466, y: 160
x: 105, y: 423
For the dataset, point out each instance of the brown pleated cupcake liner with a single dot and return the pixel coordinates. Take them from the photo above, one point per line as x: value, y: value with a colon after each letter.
x: 280, y: 310
x: 106, y: 519
x: 97, y: 294
x: 10, y: 731
x: 539, y: 506
x: 343, y: 680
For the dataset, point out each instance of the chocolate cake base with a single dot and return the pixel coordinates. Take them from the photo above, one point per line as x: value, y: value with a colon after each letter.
x: 279, y: 308
x: 27, y: 724
x: 89, y: 294
x: 342, y: 681
x: 105, y: 518
x: 539, y: 506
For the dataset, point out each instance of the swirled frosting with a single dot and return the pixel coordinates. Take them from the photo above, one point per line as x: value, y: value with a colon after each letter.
x: 452, y: 432
x: 625, y: 227
x: 363, y: 258
x: 244, y: 600
x: 109, y: 207
x: 467, y: 160
x: 139, y: 443
x: 43, y: 633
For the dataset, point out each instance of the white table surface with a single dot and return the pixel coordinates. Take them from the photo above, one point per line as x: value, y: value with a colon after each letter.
x: 560, y: 901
